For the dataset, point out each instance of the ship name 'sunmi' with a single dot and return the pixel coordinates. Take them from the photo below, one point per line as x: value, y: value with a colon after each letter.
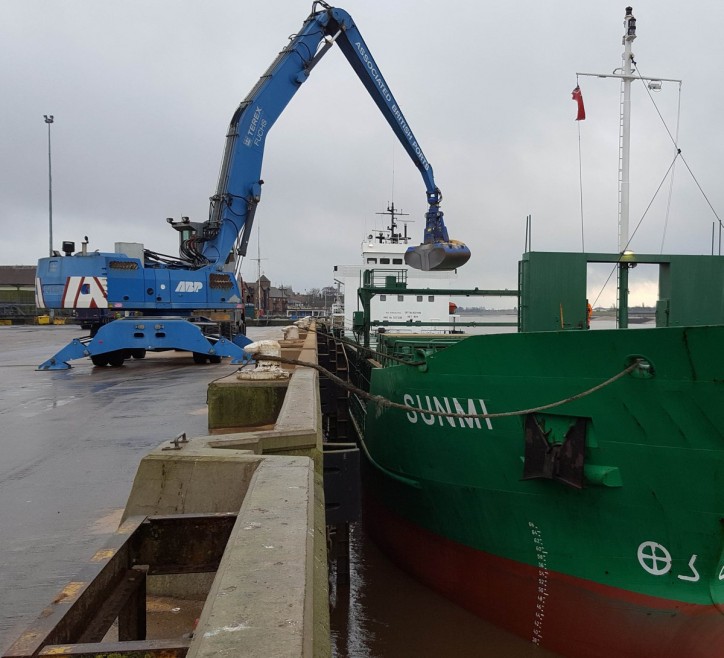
x: 469, y: 407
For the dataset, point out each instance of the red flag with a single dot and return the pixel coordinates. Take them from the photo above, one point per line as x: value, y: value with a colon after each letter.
x: 578, y: 97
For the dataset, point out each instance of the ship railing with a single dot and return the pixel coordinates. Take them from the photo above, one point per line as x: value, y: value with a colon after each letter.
x: 385, y: 278
x: 394, y: 349
x: 395, y: 283
x: 447, y: 325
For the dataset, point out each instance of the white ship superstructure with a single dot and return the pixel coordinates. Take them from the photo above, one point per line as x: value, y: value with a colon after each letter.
x: 385, y: 250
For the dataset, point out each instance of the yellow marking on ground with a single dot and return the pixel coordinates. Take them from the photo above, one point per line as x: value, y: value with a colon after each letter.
x: 70, y: 591
x: 26, y: 639
x: 103, y: 554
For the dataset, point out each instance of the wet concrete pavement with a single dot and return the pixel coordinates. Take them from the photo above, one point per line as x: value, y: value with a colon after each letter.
x: 70, y: 443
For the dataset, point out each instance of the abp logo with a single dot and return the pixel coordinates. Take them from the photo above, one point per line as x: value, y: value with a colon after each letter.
x: 189, y: 286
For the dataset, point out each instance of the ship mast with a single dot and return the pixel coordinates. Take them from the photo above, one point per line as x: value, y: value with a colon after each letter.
x: 626, y: 74
x: 395, y: 237
x: 629, y: 24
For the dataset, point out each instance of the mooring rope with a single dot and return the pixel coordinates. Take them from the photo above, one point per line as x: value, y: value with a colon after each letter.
x: 369, y: 350
x: 383, y: 402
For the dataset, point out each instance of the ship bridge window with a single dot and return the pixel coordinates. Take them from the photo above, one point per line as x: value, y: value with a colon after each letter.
x: 400, y: 298
x: 431, y: 298
x: 419, y: 298
x: 384, y: 261
x: 397, y: 261
x: 372, y: 261
x: 383, y: 298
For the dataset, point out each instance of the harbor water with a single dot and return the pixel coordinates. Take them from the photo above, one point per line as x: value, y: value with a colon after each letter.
x: 386, y: 613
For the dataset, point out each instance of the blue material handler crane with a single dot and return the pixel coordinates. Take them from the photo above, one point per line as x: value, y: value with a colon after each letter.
x: 157, y: 295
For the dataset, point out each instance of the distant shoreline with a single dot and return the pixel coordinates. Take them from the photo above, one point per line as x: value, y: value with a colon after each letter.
x: 645, y: 311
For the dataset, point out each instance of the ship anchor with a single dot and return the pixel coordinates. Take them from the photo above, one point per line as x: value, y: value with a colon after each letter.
x: 562, y: 461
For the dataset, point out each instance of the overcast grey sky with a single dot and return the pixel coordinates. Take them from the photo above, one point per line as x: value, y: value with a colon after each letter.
x: 142, y: 93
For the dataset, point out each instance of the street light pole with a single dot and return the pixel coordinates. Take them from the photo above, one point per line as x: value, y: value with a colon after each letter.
x: 49, y: 120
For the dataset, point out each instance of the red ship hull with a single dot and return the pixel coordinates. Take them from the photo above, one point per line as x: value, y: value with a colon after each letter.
x: 571, y: 616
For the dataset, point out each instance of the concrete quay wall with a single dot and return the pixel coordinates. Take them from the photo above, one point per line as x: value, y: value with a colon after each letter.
x: 263, y: 461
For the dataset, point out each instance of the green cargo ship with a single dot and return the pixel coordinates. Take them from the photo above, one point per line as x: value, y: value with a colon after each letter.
x: 593, y: 527
x: 565, y: 483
